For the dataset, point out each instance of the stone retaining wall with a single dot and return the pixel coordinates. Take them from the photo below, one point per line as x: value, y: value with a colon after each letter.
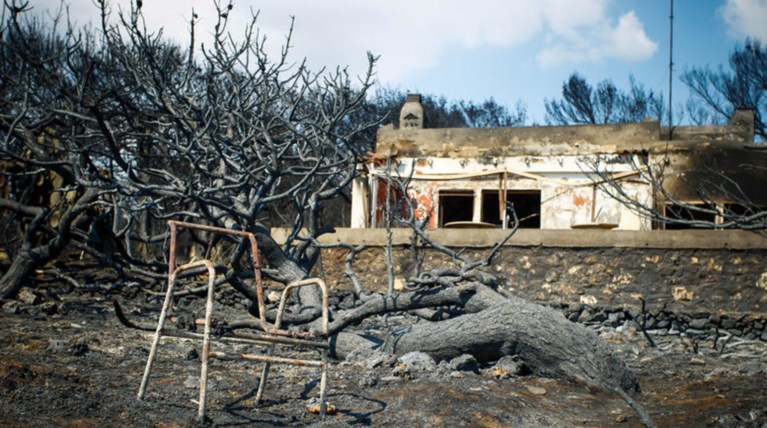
x: 661, y: 323
x: 691, y: 281
x: 683, y: 276
x: 678, y: 280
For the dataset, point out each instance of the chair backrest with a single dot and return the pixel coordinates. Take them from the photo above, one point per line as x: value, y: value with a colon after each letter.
x: 272, y: 328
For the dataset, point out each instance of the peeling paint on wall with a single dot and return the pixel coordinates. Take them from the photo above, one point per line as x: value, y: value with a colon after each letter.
x: 423, y: 200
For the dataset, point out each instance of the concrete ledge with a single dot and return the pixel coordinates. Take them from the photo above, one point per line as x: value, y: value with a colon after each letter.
x: 484, y: 238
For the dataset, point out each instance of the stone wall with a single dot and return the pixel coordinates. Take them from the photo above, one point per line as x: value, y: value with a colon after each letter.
x: 698, y: 325
x: 694, y: 280
x: 699, y: 293
x: 679, y: 280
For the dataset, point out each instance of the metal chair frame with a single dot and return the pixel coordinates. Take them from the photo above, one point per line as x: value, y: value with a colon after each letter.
x: 272, y: 334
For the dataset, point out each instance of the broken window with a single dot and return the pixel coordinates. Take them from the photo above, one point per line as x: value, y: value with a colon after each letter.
x: 455, y: 205
x: 526, y: 203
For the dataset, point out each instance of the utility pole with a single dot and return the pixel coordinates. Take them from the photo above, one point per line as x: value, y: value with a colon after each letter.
x: 670, y: 71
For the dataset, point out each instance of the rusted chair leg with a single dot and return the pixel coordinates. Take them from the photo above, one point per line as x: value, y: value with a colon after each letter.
x: 206, y: 342
x: 323, y: 384
x: 264, y: 376
x: 278, y: 324
x: 161, y: 324
x: 157, y: 335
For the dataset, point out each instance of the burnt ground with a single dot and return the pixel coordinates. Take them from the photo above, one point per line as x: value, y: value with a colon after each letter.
x: 66, y: 361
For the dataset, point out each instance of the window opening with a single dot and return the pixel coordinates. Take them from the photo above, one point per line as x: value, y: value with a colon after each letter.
x: 738, y: 212
x: 527, y: 205
x: 688, y: 216
x: 455, y: 205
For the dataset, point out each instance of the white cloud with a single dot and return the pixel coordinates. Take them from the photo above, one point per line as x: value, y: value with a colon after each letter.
x: 746, y: 18
x: 628, y: 40
x: 599, y: 41
x: 410, y: 35
x: 566, y: 17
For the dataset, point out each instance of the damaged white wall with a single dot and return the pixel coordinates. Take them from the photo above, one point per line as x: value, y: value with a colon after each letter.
x: 568, y: 192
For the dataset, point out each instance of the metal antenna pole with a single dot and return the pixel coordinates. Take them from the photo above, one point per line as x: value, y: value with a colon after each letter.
x: 670, y: 71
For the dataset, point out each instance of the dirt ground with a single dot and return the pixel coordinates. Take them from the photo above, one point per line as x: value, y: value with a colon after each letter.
x: 66, y: 361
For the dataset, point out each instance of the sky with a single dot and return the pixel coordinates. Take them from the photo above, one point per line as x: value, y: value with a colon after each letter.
x: 510, y: 50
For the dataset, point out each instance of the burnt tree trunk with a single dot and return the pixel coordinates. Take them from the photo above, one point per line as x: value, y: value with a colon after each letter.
x: 33, y: 253
x: 549, y: 344
x: 18, y: 272
x: 289, y: 270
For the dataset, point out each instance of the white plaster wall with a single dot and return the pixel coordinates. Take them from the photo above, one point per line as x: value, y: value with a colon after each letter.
x: 360, y: 202
x: 564, y: 182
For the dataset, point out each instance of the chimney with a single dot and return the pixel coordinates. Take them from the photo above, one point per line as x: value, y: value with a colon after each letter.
x: 411, y: 115
x: 741, y: 125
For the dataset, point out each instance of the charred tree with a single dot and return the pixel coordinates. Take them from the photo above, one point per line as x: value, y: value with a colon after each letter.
x: 219, y: 135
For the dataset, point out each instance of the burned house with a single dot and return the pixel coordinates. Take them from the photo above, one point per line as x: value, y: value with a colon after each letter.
x: 553, y: 175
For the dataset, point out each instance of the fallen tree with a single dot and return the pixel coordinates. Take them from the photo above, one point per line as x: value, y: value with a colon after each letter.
x: 550, y: 345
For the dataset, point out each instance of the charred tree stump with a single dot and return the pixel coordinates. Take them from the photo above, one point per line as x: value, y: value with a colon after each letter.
x: 550, y: 345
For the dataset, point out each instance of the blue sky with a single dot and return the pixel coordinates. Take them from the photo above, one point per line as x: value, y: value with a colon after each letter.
x: 511, y: 50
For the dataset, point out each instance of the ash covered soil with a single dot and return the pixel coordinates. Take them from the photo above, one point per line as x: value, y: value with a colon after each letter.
x: 65, y: 360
